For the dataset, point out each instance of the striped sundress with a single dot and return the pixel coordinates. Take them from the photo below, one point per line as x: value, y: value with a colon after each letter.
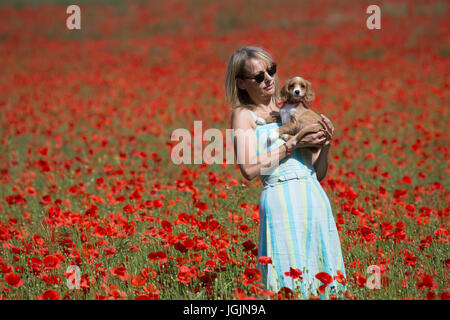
x: 297, y: 227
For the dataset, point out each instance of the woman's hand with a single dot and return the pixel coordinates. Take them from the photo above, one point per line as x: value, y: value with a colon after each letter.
x: 329, y: 129
x: 274, y: 116
x: 317, y: 139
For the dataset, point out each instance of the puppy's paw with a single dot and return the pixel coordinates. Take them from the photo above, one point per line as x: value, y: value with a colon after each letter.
x: 273, y: 136
x: 260, y: 121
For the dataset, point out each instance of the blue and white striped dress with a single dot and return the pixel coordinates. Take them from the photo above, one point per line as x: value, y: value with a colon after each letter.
x: 297, y: 227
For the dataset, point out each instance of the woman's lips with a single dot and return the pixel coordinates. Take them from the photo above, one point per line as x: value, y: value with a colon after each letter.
x: 269, y: 87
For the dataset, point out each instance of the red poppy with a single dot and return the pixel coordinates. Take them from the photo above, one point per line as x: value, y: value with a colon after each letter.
x: 185, y: 274
x: 180, y: 247
x: 294, y: 273
x: 248, y: 245
x: 264, y: 260
x: 426, y: 282
x: 340, y: 277
x: 31, y: 191
x: 285, y: 293
x: 37, y: 240
x: 366, y: 233
x: 167, y: 226
x: 157, y: 203
x: 13, y: 279
x: 326, y: 279
x: 251, y: 275
x: 46, y: 200
x: 120, y: 272
x: 445, y: 295
x: 51, y: 262
x: 202, y: 206
x: 150, y: 296
x: 430, y: 295
x: 160, y: 255
x: 406, y: 180
x: 110, y: 251
x: 50, y: 295
x: 360, y: 279
x: 51, y: 279
x: 138, y: 280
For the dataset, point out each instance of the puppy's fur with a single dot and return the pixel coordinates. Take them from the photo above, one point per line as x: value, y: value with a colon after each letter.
x: 295, y: 115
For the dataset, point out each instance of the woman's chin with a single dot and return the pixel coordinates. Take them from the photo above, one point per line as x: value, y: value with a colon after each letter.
x: 269, y: 92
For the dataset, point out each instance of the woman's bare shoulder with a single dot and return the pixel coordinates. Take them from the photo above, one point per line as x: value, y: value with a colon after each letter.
x: 240, y: 111
x: 241, y: 117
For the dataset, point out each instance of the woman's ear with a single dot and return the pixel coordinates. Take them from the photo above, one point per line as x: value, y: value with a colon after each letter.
x: 309, y: 96
x: 240, y: 83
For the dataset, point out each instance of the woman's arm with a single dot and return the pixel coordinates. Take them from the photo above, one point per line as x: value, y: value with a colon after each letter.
x: 322, y: 158
x: 245, y: 143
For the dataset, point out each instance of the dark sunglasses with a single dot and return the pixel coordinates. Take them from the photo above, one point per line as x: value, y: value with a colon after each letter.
x: 261, y: 75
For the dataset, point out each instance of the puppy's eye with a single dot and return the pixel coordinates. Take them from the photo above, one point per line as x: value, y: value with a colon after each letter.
x: 303, y: 86
x: 290, y: 86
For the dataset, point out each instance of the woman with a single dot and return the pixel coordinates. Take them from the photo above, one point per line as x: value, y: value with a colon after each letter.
x: 297, y: 228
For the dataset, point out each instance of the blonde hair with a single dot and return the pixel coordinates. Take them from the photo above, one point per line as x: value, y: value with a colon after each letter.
x: 238, y: 97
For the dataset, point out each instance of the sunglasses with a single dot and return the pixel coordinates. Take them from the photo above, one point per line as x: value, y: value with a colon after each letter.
x: 261, y: 75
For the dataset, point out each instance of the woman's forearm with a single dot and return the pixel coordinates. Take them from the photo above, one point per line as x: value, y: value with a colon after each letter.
x: 263, y: 161
x: 322, y: 161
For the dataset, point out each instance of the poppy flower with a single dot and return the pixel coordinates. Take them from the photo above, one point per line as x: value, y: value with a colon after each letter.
x: 248, y: 245
x: 264, y: 260
x: 294, y: 273
x: 244, y: 228
x: 285, y: 293
x: 360, y: 279
x: 50, y: 295
x: 202, y: 206
x: 13, y: 279
x: 185, y: 274
x: 51, y: 279
x: 167, y: 226
x: 37, y: 240
x: 160, y: 255
x: 325, y: 278
x: 138, y: 280
x: 426, y: 281
x: 51, y: 262
x: 110, y: 251
x: 157, y: 203
x: 340, y: 277
x: 120, y: 272
x: 251, y: 275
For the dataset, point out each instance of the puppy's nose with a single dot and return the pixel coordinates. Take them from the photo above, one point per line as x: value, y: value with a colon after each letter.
x: 297, y: 92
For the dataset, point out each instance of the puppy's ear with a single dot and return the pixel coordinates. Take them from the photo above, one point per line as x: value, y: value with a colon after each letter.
x: 309, y: 96
x: 284, y: 93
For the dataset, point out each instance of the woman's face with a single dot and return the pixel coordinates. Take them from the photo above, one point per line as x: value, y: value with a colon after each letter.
x: 258, y: 92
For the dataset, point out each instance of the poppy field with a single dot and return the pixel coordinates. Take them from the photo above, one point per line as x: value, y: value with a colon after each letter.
x: 93, y: 207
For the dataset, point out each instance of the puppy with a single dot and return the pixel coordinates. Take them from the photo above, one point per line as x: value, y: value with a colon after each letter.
x: 295, y: 115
